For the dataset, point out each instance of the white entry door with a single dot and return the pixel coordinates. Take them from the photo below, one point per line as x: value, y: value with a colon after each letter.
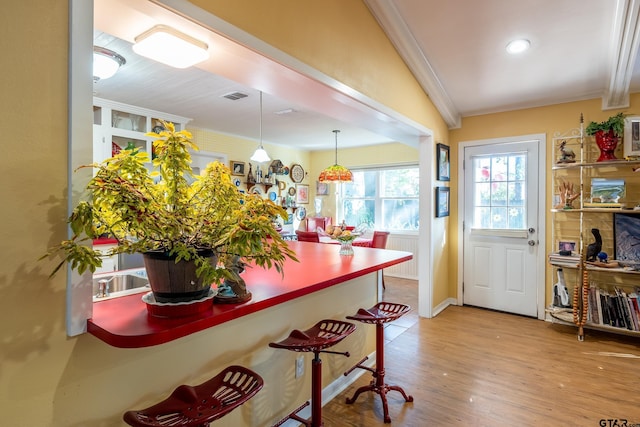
x: 501, y: 236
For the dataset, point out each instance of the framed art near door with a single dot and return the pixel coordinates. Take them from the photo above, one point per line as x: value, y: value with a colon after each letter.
x: 442, y: 201
x: 444, y: 164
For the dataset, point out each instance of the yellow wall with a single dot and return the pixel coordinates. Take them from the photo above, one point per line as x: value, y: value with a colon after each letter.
x: 240, y: 149
x: 47, y: 378
x: 547, y: 120
x: 316, y: 32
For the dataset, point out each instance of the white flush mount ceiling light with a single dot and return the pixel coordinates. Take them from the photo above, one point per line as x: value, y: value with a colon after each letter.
x: 518, y: 46
x: 105, y: 63
x: 171, y: 47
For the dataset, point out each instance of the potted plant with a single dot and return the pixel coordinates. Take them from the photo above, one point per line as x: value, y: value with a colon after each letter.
x: 202, y: 225
x: 607, y: 134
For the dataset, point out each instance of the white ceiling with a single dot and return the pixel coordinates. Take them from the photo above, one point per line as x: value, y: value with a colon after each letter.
x: 580, y: 49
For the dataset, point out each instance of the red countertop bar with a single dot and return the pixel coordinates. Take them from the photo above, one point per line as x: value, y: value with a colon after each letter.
x: 124, y: 322
x: 104, y: 241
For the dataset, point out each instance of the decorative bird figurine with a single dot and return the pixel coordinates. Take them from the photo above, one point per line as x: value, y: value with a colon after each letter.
x: 567, y: 154
x: 593, y: 249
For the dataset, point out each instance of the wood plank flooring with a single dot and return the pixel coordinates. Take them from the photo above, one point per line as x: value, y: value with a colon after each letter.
x: 475, y: 367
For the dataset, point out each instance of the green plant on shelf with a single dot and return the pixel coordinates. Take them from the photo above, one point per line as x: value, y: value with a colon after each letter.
x: 613, y: 123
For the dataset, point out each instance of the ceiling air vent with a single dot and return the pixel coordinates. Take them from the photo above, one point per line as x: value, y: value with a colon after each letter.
x: 234, y: 96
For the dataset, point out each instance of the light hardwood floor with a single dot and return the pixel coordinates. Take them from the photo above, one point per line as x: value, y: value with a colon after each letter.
x: 474, y: 367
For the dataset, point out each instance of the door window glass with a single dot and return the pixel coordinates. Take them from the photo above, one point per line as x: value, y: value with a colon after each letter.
x: 499, y: 188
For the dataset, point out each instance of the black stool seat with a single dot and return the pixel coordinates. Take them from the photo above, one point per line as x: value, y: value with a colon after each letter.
x: 322, y: 335
x: 197, y: 406
x: 379, y: 314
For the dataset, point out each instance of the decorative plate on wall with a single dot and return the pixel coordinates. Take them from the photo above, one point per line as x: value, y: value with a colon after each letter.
x: 301, y: 213
x: 297, y: 173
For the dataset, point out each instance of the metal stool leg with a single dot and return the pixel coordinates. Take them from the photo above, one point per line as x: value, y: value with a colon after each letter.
x: 316, y: 391
x: 377, y: 384
x: 323, y: 334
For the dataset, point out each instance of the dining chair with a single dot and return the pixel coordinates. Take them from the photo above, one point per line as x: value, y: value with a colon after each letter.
x: 313, y: 223
x: 308, y: 236
x: 379, y: 241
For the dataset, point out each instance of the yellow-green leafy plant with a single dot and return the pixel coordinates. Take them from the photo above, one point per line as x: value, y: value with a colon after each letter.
x: 174, y: 211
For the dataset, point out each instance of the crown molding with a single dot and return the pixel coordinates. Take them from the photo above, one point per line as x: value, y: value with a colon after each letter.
x: 624, y: 48
x: 396, y: 30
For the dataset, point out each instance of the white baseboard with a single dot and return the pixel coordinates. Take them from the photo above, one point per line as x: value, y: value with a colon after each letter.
x: 400, y: 276
x: 444, y: 304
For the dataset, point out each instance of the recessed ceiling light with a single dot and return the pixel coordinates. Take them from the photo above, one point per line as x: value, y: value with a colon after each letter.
x: 518, y: 46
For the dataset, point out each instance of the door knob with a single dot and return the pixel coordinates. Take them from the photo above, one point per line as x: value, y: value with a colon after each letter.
x: 531, y: 242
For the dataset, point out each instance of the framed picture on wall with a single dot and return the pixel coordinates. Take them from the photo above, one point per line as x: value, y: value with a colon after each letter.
x: 443, y: 163
x: 442, y: 201
x: 322, y: 188
x: 302, y: 193
x: 626, y: 238
x: 631, y: 140
x: 237, y: 168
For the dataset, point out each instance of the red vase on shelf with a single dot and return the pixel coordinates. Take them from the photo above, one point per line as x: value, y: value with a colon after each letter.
x: 607, y: 143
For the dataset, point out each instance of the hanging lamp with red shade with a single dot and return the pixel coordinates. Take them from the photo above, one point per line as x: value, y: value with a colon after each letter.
x: 336, y: 172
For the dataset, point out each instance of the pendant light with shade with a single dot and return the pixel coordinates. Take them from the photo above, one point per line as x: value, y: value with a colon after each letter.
x: 336, y: 173
x: 260, y: 155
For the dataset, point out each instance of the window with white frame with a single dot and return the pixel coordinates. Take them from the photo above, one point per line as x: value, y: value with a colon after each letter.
x: 382, y: 198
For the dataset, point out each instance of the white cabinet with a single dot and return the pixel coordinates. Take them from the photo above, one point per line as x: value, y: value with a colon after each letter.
x: 117, y: 126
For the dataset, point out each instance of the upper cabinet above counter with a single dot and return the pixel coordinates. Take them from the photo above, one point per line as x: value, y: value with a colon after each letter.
x: 117, y: 125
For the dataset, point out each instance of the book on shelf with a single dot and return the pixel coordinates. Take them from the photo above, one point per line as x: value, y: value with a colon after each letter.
x: 591, y: 205
x: 595, y: 307
x: 572, y: 260
x: 614, y: 307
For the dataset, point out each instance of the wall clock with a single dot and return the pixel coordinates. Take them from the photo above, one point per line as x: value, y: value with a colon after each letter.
x: 297, y: 173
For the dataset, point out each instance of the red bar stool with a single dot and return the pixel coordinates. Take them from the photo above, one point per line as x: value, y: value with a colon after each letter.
x: 324, y: 334
x: 200, y: 405
x: 379, y: 314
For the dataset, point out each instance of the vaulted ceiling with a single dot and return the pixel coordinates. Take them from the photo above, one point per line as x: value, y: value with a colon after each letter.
x: 580, y: 49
